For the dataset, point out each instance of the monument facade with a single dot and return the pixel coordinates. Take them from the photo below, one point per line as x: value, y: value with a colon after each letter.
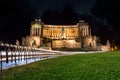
x: 60, y: 36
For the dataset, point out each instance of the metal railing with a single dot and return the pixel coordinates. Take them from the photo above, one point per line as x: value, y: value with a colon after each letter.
x: 14, y: 53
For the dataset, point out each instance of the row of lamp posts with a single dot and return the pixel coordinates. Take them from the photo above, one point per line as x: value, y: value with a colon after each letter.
x: 17, y: 53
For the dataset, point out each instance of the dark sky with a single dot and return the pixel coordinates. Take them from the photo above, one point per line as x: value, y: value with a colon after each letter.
x: 16, y: 15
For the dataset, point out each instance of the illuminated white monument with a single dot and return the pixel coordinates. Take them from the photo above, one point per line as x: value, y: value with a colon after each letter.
x: 60, y: 36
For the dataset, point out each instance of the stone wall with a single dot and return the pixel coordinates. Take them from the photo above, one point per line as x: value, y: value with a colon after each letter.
x: 65, y: 44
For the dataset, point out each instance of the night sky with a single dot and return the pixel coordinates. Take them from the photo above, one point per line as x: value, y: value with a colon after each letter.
x: 16, y: 15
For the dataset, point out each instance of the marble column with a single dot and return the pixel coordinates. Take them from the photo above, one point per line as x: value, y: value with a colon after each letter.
x: 83, y: 31
x: 34, y: 32
x: 37, y: 31
x: 90, y: 32
x: 87, y: 32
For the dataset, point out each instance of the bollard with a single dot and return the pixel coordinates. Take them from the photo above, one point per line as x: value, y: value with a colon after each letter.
x: 26, y: 54
x: 21, y: 52
x: 1, y: 46
x: 11, y: 51
x: 15, y: 55
x: 1, y: 60
x: 18, y: 49
x: 39, y: 54
x: 32, y: 53
x: 6, y: 49
x: 35, y: 54
x: 11, y: 56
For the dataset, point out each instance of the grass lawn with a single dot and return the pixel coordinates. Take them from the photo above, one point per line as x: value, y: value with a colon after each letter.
x: 103, y: 66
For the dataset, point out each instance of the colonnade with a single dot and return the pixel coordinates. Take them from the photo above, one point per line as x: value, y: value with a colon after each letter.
x: 35, y: 31
x: 85, y: 31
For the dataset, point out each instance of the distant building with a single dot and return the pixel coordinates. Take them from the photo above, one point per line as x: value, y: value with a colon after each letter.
x: 60, y: 36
